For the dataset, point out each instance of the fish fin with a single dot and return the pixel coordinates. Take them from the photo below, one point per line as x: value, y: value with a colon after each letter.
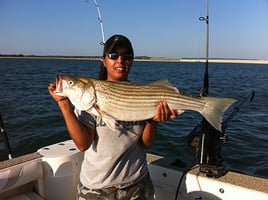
x: 161, y: 83
x: 214, y: 109
x: 108, y: 119
x: 94, y: 111
x: 110, y: 123
x: 164, y: 83
x: 179, y: 112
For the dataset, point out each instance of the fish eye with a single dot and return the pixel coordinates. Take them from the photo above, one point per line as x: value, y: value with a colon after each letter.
x: 71, y: 83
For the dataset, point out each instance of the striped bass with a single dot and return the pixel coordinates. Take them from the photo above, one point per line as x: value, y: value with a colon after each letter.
x: 125, y: 101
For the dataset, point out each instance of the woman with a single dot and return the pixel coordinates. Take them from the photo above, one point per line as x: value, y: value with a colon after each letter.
x: 114, y: 165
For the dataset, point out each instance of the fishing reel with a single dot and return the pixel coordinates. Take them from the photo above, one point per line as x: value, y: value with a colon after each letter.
x: 194, y: 138
x: 207, y: 147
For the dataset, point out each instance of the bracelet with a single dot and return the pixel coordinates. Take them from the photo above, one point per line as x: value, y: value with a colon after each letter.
x: 150, y: 121
x: 62, y: 99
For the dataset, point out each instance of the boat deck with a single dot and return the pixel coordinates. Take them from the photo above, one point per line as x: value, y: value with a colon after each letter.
x: 58, y: 166
x: 233, y: 178
x: 243, y: 180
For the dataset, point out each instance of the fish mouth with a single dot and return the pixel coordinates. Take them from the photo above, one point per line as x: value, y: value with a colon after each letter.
x: 59, y: 88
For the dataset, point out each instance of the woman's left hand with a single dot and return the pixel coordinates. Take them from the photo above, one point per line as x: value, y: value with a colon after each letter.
x: 164, y: 112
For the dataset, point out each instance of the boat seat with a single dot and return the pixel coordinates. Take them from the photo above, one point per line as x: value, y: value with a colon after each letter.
x: 21, y: 179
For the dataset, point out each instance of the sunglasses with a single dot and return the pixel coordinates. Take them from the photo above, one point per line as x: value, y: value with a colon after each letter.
x: 124, y: 56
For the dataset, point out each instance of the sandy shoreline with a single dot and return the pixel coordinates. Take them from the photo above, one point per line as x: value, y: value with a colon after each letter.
x: 246, y: 61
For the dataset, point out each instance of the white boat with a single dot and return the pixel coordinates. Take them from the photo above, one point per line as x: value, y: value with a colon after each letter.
x: 52, y: 173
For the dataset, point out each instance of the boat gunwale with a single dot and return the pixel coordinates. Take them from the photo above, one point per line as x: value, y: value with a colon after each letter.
x: 19, y: 160
x: 258, y: 184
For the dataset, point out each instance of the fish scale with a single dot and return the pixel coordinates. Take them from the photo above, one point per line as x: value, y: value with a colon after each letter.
x: 130, y: 99
x: 145, y: 93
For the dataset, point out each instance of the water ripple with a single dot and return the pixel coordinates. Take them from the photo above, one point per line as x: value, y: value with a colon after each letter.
x: 33, y: 120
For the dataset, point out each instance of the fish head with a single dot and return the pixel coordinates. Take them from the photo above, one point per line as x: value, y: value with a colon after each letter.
x: 79, y: 90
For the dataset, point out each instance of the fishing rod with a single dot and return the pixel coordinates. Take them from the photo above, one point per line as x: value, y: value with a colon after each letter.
x: 210, y: 138
x: 206, y: 76
x: 5, y: 138
x: 250, y: 96
x: 100, y: 20
x: 205, y: 124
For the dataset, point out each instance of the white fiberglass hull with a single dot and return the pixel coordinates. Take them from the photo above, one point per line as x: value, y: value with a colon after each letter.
x: 53, y: 173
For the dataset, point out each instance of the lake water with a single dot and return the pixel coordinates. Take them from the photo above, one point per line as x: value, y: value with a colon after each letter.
x: 33, y: 120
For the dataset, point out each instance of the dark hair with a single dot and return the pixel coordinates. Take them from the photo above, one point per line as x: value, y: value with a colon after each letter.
x: 109, y: 45
x: 103, y: 72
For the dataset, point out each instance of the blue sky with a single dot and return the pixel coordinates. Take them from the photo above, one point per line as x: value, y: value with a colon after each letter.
x: 238, y: 28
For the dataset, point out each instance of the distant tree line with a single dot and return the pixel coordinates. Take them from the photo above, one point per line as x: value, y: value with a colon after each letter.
x: 56, y: 56
x: 11, y: 55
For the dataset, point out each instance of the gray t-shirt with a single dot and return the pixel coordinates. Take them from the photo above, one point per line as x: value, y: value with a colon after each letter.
x: 115, y: 158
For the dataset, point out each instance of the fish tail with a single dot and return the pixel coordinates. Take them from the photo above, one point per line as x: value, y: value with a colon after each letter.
x: 214, y: 109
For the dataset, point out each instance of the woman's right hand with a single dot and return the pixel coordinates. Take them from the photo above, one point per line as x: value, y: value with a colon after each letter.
x: 51, y: 89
